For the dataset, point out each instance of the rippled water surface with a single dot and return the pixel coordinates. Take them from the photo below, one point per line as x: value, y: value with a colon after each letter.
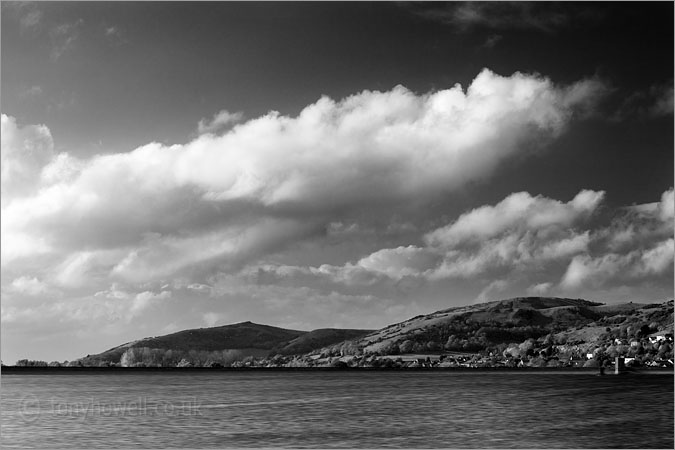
x: 337, y: 409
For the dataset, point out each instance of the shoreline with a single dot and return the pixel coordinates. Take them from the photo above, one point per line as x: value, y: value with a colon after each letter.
x: 584, y: 370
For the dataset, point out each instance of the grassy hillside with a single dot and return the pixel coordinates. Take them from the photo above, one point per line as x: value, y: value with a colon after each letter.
x: 531, y: 329
x: 474, y: 327
x: 239, y: 335
x: 251, y: 339
x: 493, y: 326
x: 320, y: 338
x: 223, y: 345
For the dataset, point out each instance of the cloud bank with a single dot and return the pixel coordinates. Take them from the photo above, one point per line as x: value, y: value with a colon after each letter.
x: 227, y: 198
x: 543, y: 245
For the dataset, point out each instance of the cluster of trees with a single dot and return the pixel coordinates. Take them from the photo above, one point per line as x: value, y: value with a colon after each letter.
x: 345, y: 348
x: 629, y: 329
x: 31, y: 363
x: 540, y: 352
x: 637, y: 349
x: 38, y: 363
x: 156, y: 357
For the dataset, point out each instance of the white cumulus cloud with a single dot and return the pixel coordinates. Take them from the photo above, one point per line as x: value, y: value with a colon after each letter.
x: 271, y: 180
x: 535, y: 241
x: 517, y: 211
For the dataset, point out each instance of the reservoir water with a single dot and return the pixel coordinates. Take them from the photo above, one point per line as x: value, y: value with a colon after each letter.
x: 322, y: 409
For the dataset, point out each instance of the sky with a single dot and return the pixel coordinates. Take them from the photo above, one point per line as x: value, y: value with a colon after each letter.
x: 168, y: 166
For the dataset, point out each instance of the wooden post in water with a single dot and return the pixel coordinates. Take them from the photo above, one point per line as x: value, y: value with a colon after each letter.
x: 619, y: 365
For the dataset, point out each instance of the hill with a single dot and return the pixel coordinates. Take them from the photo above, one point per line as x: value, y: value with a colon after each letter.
x: 222, y: 345
x: 475, y: 327
x: 532, y: 330
x: 574, y: 326
x: 320, y: 338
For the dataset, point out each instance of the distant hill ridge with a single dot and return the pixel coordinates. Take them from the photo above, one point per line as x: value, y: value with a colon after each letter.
x: 244, y: 337
x: 481, y: 326
x: 523, y: 302
x: 475, y: 327
x: 541, y: 314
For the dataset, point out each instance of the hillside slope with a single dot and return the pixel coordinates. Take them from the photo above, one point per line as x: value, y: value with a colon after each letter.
x: 245, y: 337
x: 523, y: 327
x: 225, y: 344
x: 320, y: 338
x: 490, y: 326
x: 474, y: 327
